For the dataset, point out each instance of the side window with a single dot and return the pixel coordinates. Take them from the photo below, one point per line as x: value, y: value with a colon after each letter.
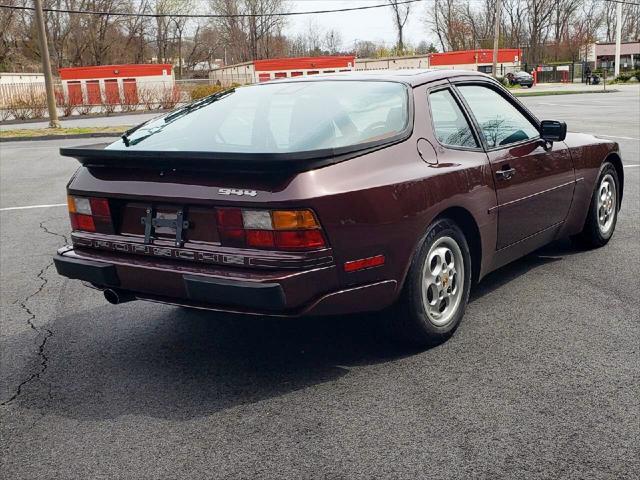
x: 500, y: 122
x: 449, y: 123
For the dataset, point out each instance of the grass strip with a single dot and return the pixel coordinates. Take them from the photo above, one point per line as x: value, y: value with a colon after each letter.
x: 47, y: 132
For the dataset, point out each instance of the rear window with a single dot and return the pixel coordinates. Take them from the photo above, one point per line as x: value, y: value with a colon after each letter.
x: 280, y: 118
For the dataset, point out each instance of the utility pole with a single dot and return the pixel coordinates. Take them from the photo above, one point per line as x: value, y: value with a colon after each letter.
x: 46, y: 66
x: 618, y: 36
x: 496, y: 38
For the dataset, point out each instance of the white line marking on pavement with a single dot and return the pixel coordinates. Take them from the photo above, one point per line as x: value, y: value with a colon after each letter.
x: 6, y: 209
x: 613, y: 136
x: 631, y: 166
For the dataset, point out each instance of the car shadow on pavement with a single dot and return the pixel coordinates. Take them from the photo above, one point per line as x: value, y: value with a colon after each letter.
x: 493, y: 281
x: 173, y: 363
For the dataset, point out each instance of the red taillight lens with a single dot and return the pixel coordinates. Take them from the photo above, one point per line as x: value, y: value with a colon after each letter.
x: 233, y: 237
x: 83, y: 222
x: 299, y: 239
x: 260, y: 238
x: 100, y: 207
x: 278, y: 229
x: 90, y: 214
x: 229, y: 218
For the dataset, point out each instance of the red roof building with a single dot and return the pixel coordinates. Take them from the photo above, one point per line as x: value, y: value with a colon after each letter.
x: 113, y: 83
x: 264, y: 70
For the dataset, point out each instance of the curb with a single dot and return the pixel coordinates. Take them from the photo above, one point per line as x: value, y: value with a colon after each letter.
x: 559, y: 92
x: 60, y: 137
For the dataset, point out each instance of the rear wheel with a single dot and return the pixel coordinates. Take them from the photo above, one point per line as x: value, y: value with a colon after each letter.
x: 603, y: 210
x: 437, y: 287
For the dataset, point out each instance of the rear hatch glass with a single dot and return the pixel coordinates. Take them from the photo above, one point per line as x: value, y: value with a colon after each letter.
x: 279, y: 118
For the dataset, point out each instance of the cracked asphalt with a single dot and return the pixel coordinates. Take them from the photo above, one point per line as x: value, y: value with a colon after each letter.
x: 540, y: 381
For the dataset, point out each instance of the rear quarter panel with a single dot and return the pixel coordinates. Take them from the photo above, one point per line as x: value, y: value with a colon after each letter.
x: 383, y: 202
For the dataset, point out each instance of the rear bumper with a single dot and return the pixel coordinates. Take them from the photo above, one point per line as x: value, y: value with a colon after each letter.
x: 309, y: 292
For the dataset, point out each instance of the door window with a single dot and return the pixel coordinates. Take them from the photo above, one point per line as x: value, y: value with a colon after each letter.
x: 449, y: 123
x: 500, y: 121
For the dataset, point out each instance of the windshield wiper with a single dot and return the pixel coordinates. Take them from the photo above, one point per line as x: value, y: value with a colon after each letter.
x: 125, y: 135
x: 198, y: 104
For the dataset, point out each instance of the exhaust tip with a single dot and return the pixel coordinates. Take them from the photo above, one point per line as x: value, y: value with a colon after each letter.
x: 116, y: 297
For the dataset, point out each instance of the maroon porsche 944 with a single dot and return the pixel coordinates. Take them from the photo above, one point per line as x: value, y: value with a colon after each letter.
x: 335, y: 194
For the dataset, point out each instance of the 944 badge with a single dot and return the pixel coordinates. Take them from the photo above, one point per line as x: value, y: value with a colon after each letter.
x: 237, y: 191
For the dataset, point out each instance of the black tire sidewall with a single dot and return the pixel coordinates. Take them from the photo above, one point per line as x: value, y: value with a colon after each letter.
x: 592, y: 229
x: 425, y: 330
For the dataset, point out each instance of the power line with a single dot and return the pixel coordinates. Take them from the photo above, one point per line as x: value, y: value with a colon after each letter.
x: 623, y: 2
x: 235, y: 15
x: 208, y: 15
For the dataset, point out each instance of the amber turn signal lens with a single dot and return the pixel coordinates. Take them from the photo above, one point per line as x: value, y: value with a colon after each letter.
x: 294, y: 220
x: 71, y: 204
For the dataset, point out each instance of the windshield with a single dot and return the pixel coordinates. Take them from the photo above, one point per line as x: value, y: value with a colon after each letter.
x: 279, y: 118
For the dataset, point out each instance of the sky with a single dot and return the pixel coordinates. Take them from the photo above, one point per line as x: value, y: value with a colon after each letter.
x: 375, y: 24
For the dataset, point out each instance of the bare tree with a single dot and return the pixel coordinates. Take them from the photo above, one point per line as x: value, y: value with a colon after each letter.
x: 364, y: 48
x: 447, y: 21
x: 513, y: 19
x: 9, y: 34
x: 332, y: 41
x: 314, y: 36
x: 254, y: 36
x: 400, y: 17
x: 630, y: 21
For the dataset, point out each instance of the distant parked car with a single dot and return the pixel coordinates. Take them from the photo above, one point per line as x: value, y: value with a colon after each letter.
x: 523, y: 79
x: 336, y: 194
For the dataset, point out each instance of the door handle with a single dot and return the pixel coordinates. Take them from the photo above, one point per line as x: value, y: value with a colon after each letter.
x: 506, y: 173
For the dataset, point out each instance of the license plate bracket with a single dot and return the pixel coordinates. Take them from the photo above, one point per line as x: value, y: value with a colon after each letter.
x: 153, y: 220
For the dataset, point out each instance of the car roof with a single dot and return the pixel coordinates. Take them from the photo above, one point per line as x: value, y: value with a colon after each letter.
x: 413, y: 77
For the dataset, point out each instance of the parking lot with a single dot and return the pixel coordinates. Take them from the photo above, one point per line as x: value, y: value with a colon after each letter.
x: 540, y: 381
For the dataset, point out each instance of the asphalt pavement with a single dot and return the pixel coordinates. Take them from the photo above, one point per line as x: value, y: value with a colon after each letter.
x: 540, y: 381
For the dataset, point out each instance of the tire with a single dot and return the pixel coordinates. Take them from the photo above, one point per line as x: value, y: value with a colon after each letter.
x: 603, y: 210
x: 429, y: 286
x: 530, y: 86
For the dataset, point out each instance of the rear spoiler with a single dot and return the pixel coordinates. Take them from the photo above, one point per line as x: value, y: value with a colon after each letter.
x: 97, y: 156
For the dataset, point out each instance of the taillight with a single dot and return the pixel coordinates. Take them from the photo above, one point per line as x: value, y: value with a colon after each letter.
x: 90, y: 214
x: 277, y: 229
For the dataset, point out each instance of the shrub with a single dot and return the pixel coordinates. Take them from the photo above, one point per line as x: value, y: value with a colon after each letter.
x: 19, y: 109
x: 84, y: 109
x: 63, y: 102
x: 202, y: 91
x: 148, y: 98
x: 108, y: 107
x: 129, y: 102
x: 169, y: 97
x: 27, y: 102
x: 623, y: 77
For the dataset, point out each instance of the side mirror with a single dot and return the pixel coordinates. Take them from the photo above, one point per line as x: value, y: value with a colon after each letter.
x: 553, y: 131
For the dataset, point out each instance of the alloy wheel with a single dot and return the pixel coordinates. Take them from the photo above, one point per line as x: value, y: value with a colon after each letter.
x: 606, y: 204
x: 443, y: 280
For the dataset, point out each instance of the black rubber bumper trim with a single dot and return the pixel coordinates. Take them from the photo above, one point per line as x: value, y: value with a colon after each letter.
x: 99, y: 273
x: 233, y: 292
